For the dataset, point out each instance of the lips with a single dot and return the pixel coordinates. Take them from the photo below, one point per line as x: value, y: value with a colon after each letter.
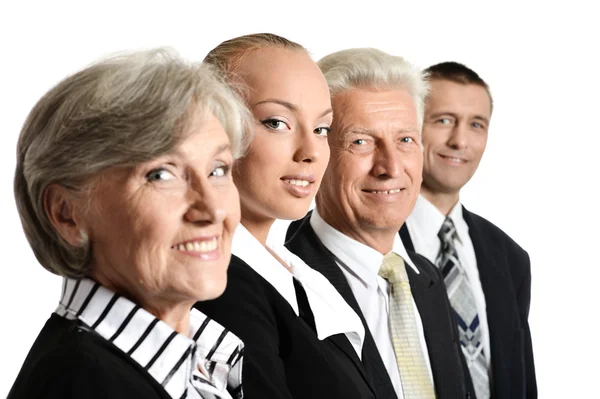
x: 453, y: 159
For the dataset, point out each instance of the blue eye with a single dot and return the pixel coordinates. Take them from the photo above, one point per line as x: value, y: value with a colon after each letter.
x: 159, y: 174
x: 274, y: 124
x: 407, y: 139
x: 477, y: 125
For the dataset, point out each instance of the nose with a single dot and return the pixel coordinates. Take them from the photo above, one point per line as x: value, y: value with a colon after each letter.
x: 387, y: 162
x: 310, y: 147
x: 205, y: 206
x: 458, y: 137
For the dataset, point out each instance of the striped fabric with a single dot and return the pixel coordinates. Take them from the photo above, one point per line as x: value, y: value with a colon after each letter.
x: 202, y: 365
x: 463, y: 304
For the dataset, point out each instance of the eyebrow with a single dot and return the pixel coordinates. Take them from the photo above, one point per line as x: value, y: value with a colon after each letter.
x: 452, y: 114
x: 222, y: 148
x: 369, y: 132
x: 289, y: 105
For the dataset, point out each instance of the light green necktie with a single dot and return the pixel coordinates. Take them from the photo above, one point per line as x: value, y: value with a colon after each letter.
x: 414, y: 375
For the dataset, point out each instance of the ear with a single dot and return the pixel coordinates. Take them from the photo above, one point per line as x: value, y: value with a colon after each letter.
x: 62, y: 209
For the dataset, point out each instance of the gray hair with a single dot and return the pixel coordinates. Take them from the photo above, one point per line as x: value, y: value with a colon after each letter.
x: 121, y: 111
x: 369, y: 68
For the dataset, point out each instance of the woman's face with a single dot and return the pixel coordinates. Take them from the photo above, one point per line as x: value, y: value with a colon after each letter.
x: 289, y: 99
x: 161, y: 232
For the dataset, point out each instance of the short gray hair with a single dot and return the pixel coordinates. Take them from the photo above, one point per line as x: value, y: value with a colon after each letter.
x: 121, y: 111
x: 369, y: 68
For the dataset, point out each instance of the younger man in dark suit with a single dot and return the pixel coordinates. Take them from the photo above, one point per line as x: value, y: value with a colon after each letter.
x: 411, y: 347
x: 487, y: 274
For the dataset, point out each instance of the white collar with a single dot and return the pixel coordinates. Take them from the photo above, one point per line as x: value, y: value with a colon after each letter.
x: 363, y: 260
x: 331, y: 312
x: 208, y: 347
x: 429, y: 219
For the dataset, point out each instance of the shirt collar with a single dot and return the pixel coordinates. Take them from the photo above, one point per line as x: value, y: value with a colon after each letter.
x: 429, y: 220
x: 246, y: 247
x: 331, y: 312
x: 363, y: 260
x: 172, y: 359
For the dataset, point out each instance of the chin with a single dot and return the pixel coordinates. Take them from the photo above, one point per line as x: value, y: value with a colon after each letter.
x: 211, y: 287
x: 293, y: 211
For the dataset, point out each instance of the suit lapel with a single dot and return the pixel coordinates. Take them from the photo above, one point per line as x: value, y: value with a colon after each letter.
x: 405, y: 237
x: 494, y: 281
x: 309, y: 248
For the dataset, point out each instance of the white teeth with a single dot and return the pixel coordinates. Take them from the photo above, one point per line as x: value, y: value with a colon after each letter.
x: 198, y: 246
x: 394, y: 191
x: 300, y: 183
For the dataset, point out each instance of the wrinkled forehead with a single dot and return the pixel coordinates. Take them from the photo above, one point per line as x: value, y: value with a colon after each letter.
x: 375, y: 111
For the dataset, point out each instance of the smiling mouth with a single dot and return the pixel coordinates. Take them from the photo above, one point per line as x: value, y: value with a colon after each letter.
x: 201, y: 246
x: 296, y: 182
x: 384, y: 192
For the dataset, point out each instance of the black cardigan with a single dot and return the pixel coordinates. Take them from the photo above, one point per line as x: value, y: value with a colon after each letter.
x: 283, y: 357
x: 68, y: 360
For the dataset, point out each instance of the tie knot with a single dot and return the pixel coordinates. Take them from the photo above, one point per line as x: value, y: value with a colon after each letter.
x: 447, y: 232
x: 393, y: 268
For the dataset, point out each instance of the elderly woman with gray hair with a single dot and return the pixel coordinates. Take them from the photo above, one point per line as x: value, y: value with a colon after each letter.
x: 123, y: 185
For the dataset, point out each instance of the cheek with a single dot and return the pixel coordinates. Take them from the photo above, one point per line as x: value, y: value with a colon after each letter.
x: 414, y: 166
x: 232, y: 206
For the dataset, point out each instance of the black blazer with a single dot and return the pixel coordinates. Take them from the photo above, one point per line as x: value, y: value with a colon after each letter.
x: 505, y: 273
x: 70, y: 361
x: 283, y: 357
x: 451, y: 379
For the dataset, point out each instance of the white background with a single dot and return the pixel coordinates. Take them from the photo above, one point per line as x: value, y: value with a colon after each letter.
x: 536, y: 180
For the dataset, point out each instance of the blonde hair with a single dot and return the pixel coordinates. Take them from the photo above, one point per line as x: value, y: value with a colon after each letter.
x: 229, y: 55
x: 371, y: 68
x: 120, y: 111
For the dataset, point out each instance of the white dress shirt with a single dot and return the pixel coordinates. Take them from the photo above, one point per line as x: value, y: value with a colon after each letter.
x: 331, y: 312
x: 202, y: 364
x: 423, y: 224
x: 360, y: 265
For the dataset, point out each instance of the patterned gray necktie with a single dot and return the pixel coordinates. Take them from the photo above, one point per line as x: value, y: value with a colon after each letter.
x: 463, y: 303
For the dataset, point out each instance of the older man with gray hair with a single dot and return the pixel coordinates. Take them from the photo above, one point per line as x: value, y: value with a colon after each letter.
x: 370, y: 187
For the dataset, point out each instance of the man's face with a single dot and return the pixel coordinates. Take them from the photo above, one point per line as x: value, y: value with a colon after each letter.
x: 374, y: 174
x: 455, y: 132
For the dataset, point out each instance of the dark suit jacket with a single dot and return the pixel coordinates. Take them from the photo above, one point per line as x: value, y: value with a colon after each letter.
x: 283, y: 357
x: 451, y: 379
x: 69, y: 361
x: 505, y: 274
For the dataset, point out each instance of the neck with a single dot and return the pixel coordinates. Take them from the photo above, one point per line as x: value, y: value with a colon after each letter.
x: 174, y: 312
x: 259, y: 229
x: 444, y: 202
x: 381, y: 240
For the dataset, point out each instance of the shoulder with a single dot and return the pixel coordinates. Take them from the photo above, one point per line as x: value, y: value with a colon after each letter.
x: 249, y: 306
x: 68, y: 361
x: 494, y: 233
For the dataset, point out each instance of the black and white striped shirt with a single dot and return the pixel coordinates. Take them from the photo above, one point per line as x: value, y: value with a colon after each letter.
x: 202, y: 365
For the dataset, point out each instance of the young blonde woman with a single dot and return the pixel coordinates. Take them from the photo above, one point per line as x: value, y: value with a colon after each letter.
x: 302, y: 340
